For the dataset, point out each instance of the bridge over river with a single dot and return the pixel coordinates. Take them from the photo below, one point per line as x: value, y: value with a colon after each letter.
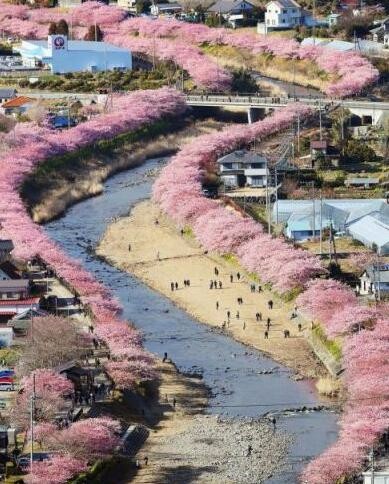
x: 377, y: 111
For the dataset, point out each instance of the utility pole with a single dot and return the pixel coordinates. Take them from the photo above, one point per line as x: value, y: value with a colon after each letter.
x: 68, y: 112
x: 298, y: 133
x: 276, y: 183
x: 32, y: 417
x: 372, y: 465
x: 321, y: 223
x: 320, y: 121
x: 314, y: 211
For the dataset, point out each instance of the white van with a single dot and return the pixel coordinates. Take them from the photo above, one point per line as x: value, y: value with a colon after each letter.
x: 6, y: 387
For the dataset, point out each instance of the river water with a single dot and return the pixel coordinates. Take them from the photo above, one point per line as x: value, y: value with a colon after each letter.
x: 230, y: 369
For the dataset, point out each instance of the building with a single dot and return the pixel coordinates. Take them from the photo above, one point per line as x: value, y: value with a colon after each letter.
x: 243, y: 168
x: 129, y: 5
x: 165, y: 9
x: 375, y: 280
x: 333, y: 19
x: 380, y: 34
x: 365, y: 220
x: 74, y: 3
x: 18, y: 105
x: 63, y: 55
x: 233, y: 11
x: 21, y: 323
x: 287, y: 14
x: 7, y: 94
x: 14, y: 289
x: 364, y: 182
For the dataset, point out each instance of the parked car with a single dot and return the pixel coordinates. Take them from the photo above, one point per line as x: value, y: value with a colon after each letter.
x: 6, y: 387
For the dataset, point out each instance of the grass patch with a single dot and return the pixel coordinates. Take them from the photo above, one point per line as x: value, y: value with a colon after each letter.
x: 9, y: 356
x: 303, y: 72
x: 231, y: 258
x: 291, y: 295
x: 332, y: 346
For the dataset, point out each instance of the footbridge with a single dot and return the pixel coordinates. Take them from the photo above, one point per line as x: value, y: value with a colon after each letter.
x: 377, y: 111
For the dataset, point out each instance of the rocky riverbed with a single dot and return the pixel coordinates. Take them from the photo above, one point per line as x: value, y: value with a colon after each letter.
x: 217, y: 450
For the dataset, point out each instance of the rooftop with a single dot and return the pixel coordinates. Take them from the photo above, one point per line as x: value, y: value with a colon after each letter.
x: 14, y: 284
x: 225, y: 6
x: 286, y: 3
x: 7, y: 93
x: 319, y: 145
x: 242, y: 156
x: 83, y: 45
x: 381, y: 275
x: 17, y: 102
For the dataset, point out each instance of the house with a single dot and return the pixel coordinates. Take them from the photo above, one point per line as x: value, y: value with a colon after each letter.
x: 6, y: 247
x: 233, y: 11
x: 20, y: 323
x: 10, y: 308
x: 333, y: 19
x: 6, y: 94
x: 17, y: 106
x: 287, y: 14
x: 374, y: 280
x: 8, y: 271
x: 283, y: 14
x: 320, y: 150
x: 364, y: 182
x: 129, y: 5
x: 243, y: 168
x: 380, y: 34
x: 63, y: 55
x: 165, y: 9
x: 14, y: 289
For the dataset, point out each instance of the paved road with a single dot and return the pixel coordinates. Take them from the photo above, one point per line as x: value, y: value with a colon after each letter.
x: 274, y: 102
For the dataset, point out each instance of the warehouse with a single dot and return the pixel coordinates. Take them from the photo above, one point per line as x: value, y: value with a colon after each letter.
x: 63, y: 55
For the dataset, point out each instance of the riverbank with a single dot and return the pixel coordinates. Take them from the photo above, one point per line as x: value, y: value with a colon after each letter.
x: 180, y: 257
x: 50, y: 190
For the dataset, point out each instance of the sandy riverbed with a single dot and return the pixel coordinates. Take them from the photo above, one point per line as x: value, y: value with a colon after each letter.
x: 182, y: 258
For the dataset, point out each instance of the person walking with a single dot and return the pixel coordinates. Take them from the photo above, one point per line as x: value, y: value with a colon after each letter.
x: 249, y: 450
x: 216, y: 271
x: 244, y: 326
x: 231, y: 278
x: 164, y: 357
x: 237, y: 314
x: 172, y: 286
x: 188, y: 282
x: 268, y: 324
x: 176, y: 285
x: 274, y: 422
x: 238, y: 276
x: 220, y: 285
x: 259, y: 288
x: 211, y: 285
x: 129, y: 247
x: 217, y: 305
x: 270, y: 304
x: 146, y: 460
x: 266, y: 334
x: 228, y: 314
x: 300, y: 327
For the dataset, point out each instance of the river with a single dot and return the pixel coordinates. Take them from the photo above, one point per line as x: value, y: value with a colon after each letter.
x: 230, y: 369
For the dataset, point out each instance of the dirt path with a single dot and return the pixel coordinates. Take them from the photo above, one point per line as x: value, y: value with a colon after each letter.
x: 160, y: 255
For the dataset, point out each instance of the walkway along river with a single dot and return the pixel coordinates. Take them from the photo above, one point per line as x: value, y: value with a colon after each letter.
x: 231, y: 370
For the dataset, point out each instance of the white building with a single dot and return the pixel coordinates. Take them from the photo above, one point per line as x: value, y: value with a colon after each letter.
x: 243, y: 168
x: 63, y: 55
x: 165, y: 9
x: 129, y: 5
x: 286, y: 14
